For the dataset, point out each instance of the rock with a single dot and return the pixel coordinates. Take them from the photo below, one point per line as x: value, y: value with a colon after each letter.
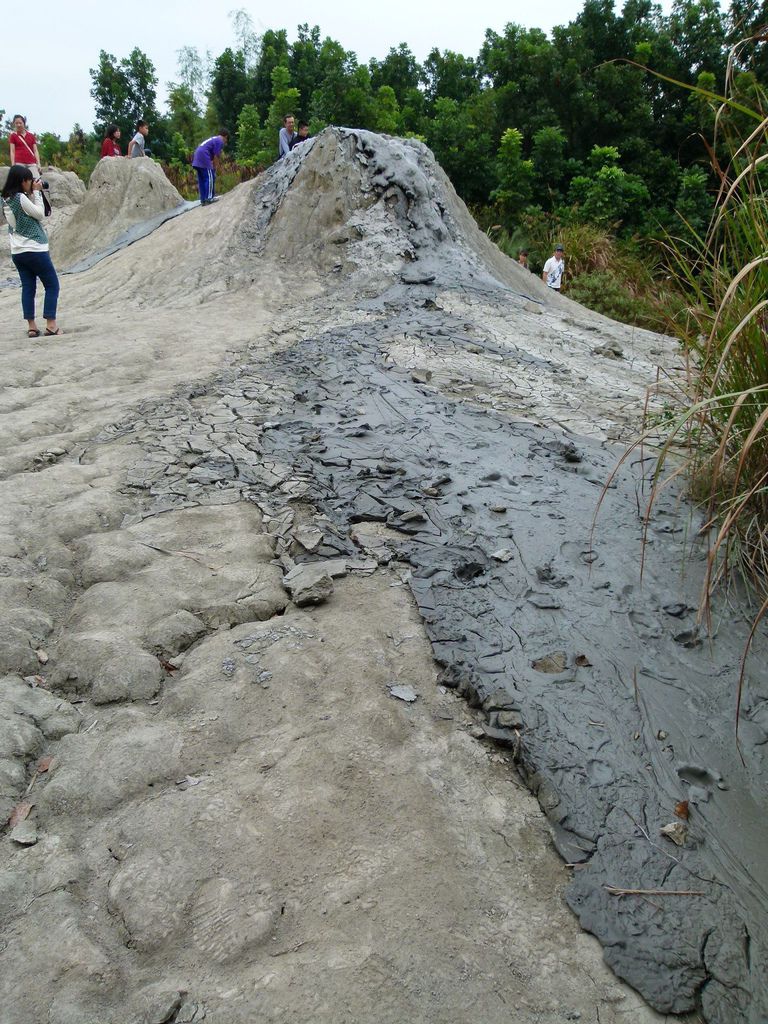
x: 175, y: 633
x: 504, y: 737
x: 677, y: 831
x: 503, y: 555
x: 508, y: 720
x: 309, y: 537
x: 406, y: 693
x: 308, y: 583
x: 131, y: 676
x: 121, y: 193
x: 545, y: 601
x: 552, y: 664
x: 611, y: 350
x: 415, y: 275
x: 25, y: 833
x: 421, y: 376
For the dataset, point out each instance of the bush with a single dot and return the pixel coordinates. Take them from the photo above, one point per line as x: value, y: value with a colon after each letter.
x: 605, y: 293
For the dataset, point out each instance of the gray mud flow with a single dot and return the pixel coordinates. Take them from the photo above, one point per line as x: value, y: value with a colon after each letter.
x: 615, y: 703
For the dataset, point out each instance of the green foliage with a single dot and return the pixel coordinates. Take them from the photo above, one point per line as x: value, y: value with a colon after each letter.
x: 461, y: 137
x: 274, y: 53
x: 184, y: 117
x: 450, y: 76
x: 229, y: 89
x: 50, y: 147
x: 548, y: 158
x: 694, y: 204
x: 387, y: 111
x: 124, y: 91
x: 515, y: 177
x: 609, y: 195
x: 399, y: 71
x: 179, y: 151
x: 249, y: 135
x: 608, y: 294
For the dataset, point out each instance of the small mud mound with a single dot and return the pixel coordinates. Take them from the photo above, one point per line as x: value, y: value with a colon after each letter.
x: 121, y: 193
x: 355, y: 200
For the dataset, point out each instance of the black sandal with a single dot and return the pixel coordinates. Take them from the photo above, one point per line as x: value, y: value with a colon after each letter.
x: 33, y: 334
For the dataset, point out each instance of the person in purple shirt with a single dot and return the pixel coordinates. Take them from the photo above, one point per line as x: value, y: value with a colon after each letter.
x: 205, y: 161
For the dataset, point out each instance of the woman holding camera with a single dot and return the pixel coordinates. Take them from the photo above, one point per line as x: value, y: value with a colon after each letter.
x: 23, y: 208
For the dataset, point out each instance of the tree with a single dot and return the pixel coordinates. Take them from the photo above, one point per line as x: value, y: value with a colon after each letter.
x: 124, y: 91
x: 694, y: 204
x: 194, y: 72
x: 548, y: 158
x: 698, y: 29
x: 515, y: 177
x: 609, y: 195
x: 185, y: 118
x: 387, y: 116
x: 304, y: 64
x: 229, y: 88
x: 246, y: 37
x: 344, y: 96
x: 399, y: 70
x: 273, y: 53
x: 460, y: 136
x: 450, y: 76
x: 249, y: 135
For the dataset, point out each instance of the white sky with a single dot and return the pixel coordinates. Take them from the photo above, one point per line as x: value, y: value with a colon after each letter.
x: 44, y: 72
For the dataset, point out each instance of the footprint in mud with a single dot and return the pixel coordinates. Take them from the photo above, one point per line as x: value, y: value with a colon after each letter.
x: 645, y: 625
x: 572, y: 551
x: 226, y: 922
x: 599, y: 773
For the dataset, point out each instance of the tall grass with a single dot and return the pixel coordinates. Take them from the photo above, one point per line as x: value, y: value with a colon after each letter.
x: 723, y: 424
x: 716, y: 437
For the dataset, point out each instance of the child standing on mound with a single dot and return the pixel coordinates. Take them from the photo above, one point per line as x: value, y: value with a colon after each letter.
x: 206, y: 161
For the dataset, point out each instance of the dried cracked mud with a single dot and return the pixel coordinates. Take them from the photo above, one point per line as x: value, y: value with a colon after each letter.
x: 301, y: 603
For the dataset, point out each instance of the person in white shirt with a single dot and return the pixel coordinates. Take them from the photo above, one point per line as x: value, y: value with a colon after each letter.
x: 136, y: 145
x: 24, y: 211
x: 286, y: 137
x: 554, y: 269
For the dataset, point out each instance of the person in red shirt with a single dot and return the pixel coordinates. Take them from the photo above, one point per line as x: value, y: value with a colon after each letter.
x: 110, y: 146
x: 24, y: 146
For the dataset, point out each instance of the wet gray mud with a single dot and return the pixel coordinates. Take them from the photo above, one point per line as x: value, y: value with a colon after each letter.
x: 615, y: 702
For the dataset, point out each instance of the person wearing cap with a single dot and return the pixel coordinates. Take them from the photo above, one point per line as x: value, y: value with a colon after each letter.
x: 554, y: 268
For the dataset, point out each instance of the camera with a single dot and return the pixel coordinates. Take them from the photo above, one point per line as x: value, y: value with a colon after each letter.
x: 44, y: 184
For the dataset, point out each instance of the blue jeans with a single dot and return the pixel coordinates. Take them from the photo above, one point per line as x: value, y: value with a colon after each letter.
x: 30, y: 266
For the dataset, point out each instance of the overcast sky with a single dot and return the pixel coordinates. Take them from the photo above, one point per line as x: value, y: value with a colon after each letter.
x: 44, y: 72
